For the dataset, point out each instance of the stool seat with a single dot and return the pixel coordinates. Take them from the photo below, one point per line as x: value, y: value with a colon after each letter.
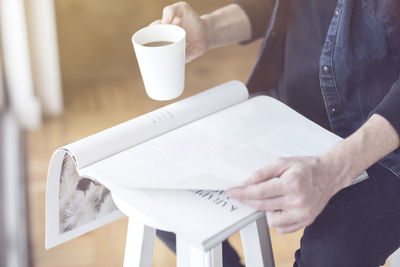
x: 133, y: 212
x: 201, y: 220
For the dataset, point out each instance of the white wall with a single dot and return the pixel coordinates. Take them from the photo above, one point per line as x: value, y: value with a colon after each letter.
x: 17, y: 65
x: 45, y: 60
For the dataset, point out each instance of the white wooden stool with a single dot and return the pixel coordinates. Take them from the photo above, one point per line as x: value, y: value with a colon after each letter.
x: 142, y: 227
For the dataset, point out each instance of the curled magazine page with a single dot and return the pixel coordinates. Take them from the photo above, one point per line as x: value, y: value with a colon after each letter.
x: 75, y: 205
x: 81, y: 200
x: 143, y: 128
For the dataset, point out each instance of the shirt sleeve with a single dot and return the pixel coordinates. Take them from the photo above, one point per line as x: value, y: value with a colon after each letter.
x: 259, y: 13
x: 389, y: 107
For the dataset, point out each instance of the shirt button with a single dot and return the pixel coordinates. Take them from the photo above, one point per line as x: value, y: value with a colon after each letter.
x: 337, y: 13
x: 335, y: 110
x: 325, y: 69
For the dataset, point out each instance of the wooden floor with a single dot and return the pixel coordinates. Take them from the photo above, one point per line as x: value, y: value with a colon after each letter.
x: 102, y: 87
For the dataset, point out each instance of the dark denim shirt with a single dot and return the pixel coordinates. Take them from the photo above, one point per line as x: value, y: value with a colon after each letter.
x: 359, y: 64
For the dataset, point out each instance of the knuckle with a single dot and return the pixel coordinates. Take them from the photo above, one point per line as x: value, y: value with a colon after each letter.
x: 299, y: 171
x: 184, y: 5
x: 167, y: 10
x: 295, y: 185
x: 301, y: 201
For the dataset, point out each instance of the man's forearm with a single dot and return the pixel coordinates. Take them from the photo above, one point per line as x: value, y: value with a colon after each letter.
x: 373, y: 141
x: 227, y: 25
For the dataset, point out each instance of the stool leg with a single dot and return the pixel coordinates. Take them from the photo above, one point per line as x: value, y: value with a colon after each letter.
x: 182, y: 252
x: 200, y: 258
x: 139, y: 244
x: 214, y: 257
x: 256, y: 244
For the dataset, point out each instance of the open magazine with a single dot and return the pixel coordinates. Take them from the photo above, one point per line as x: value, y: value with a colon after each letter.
x: 183, y: 156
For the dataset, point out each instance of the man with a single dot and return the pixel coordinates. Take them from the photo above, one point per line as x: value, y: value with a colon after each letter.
x: 337, y: 63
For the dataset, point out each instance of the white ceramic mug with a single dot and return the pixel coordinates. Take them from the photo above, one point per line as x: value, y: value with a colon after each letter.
x: 162, y: 67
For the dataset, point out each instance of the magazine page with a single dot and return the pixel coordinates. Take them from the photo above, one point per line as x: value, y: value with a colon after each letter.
x: 76, y: 204
x: 217, y: 152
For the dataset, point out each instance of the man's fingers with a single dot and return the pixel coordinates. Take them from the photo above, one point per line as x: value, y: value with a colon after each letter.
x: 271, y: 204
x: 176, y: 21
x: 270, y: 171
x: 172, y: 11
x: 168, y: 14
x: 189, y: 58
x: 290, y: 228
x: 282, y: 218
x: 264, y: 190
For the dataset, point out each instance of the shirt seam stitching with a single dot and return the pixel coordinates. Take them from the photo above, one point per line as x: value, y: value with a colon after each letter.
x: 331, y: 59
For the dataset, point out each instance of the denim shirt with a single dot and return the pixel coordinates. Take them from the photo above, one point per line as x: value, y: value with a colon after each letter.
x: 359, y: 65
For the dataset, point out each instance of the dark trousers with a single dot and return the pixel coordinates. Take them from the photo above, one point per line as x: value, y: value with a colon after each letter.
x: 360, y: 227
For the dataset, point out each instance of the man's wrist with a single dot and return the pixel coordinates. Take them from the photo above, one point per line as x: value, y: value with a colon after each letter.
x: 349, y: 158
x: 340, y: 166
x: 209, y: 23
x: 226, y: 25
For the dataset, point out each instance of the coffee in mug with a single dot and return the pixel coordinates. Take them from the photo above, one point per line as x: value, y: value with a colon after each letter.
x: 160, y: 52
x: 158, y: 43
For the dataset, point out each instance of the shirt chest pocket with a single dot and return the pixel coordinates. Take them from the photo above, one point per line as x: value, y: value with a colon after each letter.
x: 386, y: 11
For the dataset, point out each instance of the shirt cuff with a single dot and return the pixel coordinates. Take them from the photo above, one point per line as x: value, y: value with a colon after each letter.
x: 259, y: 12
x: 389, y: 107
